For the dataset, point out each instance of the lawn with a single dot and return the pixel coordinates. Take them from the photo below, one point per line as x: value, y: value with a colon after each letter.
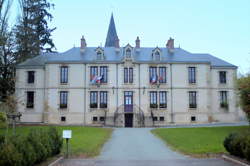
x: 85, y: 142
x: 196, y: 141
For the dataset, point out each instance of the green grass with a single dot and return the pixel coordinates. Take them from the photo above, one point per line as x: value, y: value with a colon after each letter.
x: 85, y: 141
x: 196, y: 141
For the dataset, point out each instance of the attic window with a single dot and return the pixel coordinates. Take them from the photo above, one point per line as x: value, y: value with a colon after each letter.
x: 128, y: 53
x: 157, y: 55
x: 99, y: 55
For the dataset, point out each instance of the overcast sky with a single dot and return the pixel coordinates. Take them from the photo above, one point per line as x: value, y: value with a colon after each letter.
x: 218, y: 27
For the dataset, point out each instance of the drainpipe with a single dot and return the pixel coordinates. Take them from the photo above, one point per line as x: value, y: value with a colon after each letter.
x: 171, y: 93
x: 85, y: 85
x: 139, y: 86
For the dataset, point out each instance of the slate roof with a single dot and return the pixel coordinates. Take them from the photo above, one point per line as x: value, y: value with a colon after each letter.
x: 144, y: 55
x: 111, y: 35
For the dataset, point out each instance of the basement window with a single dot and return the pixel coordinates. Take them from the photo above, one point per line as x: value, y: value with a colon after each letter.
x: 155, y: 118
x: 95, y: 119
x: 193, y: 119
x: 63, y: 119
x: 162, y: 118
x: 102, y: 118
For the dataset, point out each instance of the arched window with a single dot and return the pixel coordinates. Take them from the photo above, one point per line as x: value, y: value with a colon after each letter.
x: 157, y: 55
x: 128, y: 53
x: 99, y: 55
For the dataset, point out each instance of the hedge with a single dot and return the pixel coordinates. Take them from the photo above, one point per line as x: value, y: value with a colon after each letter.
x: 238, y: 144
x: 37, y: 146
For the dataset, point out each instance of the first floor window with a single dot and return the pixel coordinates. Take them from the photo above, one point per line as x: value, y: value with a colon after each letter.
x: 93, y: 99
x: 153, y: 75
x: 192, y: 99
x: 163, y: 99
x: 30, y: 99
x: 223, y: 99
x: 104, y: 74
x: 103, y: 99
x: 93, y: 73
x: 31, y: 77
x: 153, y: 99
x: 63, y: 99
x: 192, y: 75
x: 223, y: 77
x: 162, y: 75
x: 64, y: 74
x: 128, y: 75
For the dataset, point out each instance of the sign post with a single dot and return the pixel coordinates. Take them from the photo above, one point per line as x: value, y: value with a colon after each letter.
x: 67, y: 135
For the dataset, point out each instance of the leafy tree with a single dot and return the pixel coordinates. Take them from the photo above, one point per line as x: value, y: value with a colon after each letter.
x: 244, y: 91
x: 33, y: 34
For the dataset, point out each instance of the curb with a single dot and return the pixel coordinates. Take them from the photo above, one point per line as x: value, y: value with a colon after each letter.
x: 234, y: 160
x: 56, y: 161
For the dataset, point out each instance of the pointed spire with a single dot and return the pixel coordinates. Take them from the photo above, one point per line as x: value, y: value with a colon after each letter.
x: 112, y: 35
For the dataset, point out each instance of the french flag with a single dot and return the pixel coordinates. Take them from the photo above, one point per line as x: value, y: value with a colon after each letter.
x: 94, y: 78
x: 98, y: 79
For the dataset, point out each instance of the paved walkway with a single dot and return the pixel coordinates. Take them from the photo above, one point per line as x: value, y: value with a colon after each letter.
x: 138, y: 147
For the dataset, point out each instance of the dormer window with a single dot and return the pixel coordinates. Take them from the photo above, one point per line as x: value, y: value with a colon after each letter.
x: 128, y: 53
x: 99, y: 53
x: 156, y: 54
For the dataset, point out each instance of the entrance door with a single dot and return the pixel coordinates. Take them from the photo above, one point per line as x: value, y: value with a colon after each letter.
x: 128, y: 101
x: 128, y: 120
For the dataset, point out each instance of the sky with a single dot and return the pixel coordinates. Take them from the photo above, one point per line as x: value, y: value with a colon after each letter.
x: 217, y: 27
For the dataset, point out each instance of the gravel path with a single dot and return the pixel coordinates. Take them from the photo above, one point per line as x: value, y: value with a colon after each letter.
x: 138, y: 147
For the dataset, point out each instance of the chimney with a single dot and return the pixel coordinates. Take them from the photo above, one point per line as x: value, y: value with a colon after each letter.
x: 137, y: 42
x: 170, y: 45
x: 117, y: 45
x: 83, y: 44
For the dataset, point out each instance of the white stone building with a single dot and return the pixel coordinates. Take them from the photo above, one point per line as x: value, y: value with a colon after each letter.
x: 130, y: 86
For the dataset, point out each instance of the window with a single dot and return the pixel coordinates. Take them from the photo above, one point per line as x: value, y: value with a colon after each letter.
x: 162, y: 75
x: 103, y: 99
x: 162, y: 118
x: 63, y: 119
x: 31, y: 77
x: 93, y: 73
x: 93, y: 99
x: 163, y: 99
x: 99, y: 55
x: 30, y: 99
x: 128, y: 75
x: 63, y: 99
x: 102, y: 118
x: 192, y: 99
x: 104, y: 74
x: 128, y: 53
x: 95, y: 118
x: 223, y: 77
x: 153, y: 99
x: 223, y: 99
x: 192, y: 75
x: 153, y: 75
x: 155, y: 118
x: 64, y: 74
x: 193, y: 118
x: 157, y: 55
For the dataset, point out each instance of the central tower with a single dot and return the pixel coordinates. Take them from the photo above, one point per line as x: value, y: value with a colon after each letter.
x: 112, y: 37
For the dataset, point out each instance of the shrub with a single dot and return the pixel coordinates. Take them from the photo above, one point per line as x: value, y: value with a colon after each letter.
x: 233, y: 144
x: 3, y: 120
x: 56, y: 140
x: 246, y: 149
x: 10, y: 156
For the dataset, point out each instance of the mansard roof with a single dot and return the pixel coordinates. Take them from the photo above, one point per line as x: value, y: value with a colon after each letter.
x: 74, y: 55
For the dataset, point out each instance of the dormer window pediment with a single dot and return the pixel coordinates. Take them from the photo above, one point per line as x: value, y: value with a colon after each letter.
x: 99, y: 53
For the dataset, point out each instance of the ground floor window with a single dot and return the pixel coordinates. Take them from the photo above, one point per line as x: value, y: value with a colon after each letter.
x: 63, y: 99
x: 30, y: 99
x: 103, y: 99
x: 223, y: 99
x: 192, y: 99
x: 154, y: 99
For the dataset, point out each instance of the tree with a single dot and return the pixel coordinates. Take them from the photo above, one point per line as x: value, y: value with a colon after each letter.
x: 32, y: 32
x: 7, y: 57
x: 244, y: 92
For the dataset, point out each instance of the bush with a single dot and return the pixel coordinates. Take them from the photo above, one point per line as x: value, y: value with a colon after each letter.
x: 9, y: 155
x: 3, y: 120
x: 56, y: 140
x: 238, y: 144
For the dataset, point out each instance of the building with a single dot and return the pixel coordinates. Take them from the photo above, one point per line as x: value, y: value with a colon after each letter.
x: 126, y: 86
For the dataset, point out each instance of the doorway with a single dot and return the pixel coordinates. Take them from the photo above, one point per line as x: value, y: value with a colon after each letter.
x: 128, y: 120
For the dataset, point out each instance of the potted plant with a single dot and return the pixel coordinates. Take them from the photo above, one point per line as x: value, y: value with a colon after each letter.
x: 153, y: 105
x: 93, y: 105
